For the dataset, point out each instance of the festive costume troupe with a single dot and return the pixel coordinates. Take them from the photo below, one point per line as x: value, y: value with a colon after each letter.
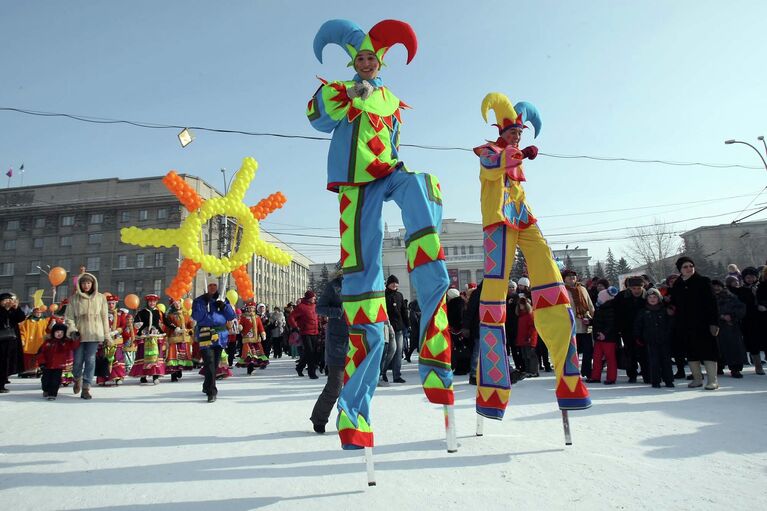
x: 508, y: 223
x: 364, y: 118
x: 253, y: 335
x: 150, y: 340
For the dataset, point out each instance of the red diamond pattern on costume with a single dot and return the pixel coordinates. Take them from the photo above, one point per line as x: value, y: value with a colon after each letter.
x: 495, y: 374
x: 342, y: 227
x: 344, y: 255
x: 345, y: 201
x: 376, y: 146
x: 378, y: 169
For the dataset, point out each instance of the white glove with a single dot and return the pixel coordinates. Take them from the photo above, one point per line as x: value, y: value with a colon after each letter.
x: 178, y: 330
x: 361, y: 90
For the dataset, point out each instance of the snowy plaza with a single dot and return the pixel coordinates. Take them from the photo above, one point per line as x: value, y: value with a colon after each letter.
x: 164, y: 448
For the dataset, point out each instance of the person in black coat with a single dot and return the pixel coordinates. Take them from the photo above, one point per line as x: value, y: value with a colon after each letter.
x: 653, y: 329
x: 336, y: 348
x: 628, y: 304
x: 395, y: 309
x: 11, y: 352
x: 697, y: 321
x: 753, y: 335
x: 512, y: 320
x: 470, y: 330
x: 606, y: 337
x: 414, y: 320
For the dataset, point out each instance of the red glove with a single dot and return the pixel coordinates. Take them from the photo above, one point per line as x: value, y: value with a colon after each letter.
x: 530, y: 152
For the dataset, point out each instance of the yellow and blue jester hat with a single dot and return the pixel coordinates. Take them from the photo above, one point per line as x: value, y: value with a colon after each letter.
x: 508, y: 116
x: 349, y: 36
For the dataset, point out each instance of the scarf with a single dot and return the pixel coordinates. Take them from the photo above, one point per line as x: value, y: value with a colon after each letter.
x: 578, y: 300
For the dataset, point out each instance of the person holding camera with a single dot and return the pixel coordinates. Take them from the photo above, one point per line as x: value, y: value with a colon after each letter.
x: 211, y: 311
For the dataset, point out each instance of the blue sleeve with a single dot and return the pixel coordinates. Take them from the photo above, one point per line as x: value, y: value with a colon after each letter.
x: 318, y: 114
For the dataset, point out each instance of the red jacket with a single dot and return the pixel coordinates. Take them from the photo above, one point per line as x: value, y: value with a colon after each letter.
x: 526, y: 333
x: 304, y: 317
x: 55, y: 353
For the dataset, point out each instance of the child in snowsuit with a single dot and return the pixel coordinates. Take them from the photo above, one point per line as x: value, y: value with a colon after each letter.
x: 53, y: 357
x: 652, y: 328
x: 606, y: 337
x: 527, y: 338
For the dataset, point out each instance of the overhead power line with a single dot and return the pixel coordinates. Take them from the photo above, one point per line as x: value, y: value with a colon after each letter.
x: 154, y: 125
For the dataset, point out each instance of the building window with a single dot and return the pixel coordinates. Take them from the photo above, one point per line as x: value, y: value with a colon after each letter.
x: 34, y: 267
x: 62, y: 291
x: 162, y: 214
x: 93, y: 263
x: 455, y: 250
x: 122, y: 262
x: 139, y: 260
x: 39, y: 222
x: 96, y: 218
x: 66, y: 241
x: 159, y: 259
x: 65, y: 263
x: 68, y: 220
x: 9, y: 244
x: 463, y: 250
x: 6, y: 269
x: 95, y: 238
x: 13, y: 225
x: 480, y: 274
x: 38, y: 243
x: 139, y: 286
x: 158, y: 286
x: 120, y: 287
x: 471, y: 249
x: 125, y: 216
x: 143, y: 214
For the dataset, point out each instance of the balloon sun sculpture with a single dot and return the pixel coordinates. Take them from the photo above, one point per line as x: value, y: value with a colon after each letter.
x: 187, y: 237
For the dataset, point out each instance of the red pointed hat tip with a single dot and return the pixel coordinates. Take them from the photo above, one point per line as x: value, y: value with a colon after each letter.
x: 387, y: 33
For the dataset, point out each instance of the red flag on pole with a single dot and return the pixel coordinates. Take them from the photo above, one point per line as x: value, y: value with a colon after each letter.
x: 9, y: 173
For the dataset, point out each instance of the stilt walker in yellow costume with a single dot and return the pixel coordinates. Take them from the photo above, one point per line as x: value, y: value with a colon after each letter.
x: 507, y: 222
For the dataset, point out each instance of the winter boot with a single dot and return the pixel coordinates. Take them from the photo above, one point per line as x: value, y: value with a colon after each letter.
x: 86, y: 394
x: 697, y: 376
x: 711, y: 373
x: 77, y: 386
x: 757, y: 360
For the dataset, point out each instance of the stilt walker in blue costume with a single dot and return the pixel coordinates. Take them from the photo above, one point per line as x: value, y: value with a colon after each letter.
x: 365, y: 170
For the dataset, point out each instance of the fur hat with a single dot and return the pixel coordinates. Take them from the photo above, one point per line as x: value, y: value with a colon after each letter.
x: 654, y: 291
x: 749, y: 270
x: 392, y: 279
x: 568, y: 273
x: 731, y: 280
x: 682, y: 260
x: 523, y: 281
x: 59, y: 326
x: 309, y: 294
x: 452, y: 293
x: 634, y: 281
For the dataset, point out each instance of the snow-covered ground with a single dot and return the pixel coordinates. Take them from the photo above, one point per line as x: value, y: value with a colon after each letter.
x: 164, y: 448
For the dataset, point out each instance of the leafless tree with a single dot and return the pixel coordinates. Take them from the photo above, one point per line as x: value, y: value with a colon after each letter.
x: 654, y: 246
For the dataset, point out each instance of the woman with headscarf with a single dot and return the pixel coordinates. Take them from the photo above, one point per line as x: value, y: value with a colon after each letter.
x: 86, y: 318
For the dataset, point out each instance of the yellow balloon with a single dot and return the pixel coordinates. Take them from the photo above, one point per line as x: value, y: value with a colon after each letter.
x: 232, y: 296
x: 161, y: 306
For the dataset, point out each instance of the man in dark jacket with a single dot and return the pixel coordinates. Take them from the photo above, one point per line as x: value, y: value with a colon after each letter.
x: 628, y: 304
x: 395, y: 309
x: 471, y: 330
x: 336, y: 347
x: 304, y: 319
x: 414, y: 320
x: 11, y: 353
x: 211, y: 312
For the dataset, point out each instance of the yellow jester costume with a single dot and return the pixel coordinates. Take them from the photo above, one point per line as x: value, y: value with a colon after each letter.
x: 507, y: 222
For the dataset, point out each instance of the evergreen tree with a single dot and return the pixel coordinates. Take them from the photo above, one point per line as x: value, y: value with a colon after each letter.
x: 587, y: 272
x: 313, y: 282
x: 611, y: 268
x: 519, y: 269
x: 568, y: 262
x: 324, y: 277
x: 599, y: 271
x: 623, y: 266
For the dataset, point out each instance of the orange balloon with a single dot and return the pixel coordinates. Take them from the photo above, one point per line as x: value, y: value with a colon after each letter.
x: 132, y: 301
x: 188, y: 303
x: 54, y: 307
x: 57, y: 275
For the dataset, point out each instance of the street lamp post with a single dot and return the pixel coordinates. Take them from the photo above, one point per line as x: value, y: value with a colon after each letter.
x: 764, y: 162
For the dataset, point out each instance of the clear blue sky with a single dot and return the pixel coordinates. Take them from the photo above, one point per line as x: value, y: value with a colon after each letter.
x: 648, y: 80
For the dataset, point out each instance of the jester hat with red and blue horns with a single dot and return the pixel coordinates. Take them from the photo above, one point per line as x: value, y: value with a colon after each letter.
x: 349, y: 36
x: 511, y: 117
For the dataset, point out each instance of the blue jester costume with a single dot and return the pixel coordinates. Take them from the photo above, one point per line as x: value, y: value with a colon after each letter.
x: 508, y: 223
x: 365, y: 170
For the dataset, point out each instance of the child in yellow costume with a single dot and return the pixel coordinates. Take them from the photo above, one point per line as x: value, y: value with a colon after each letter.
x: 507, y: 222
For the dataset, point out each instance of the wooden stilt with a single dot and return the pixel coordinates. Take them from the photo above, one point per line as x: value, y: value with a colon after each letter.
x: 480, y: 425
x: 452, y: 443
x: 566, y: 425
x: 370, y: 468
